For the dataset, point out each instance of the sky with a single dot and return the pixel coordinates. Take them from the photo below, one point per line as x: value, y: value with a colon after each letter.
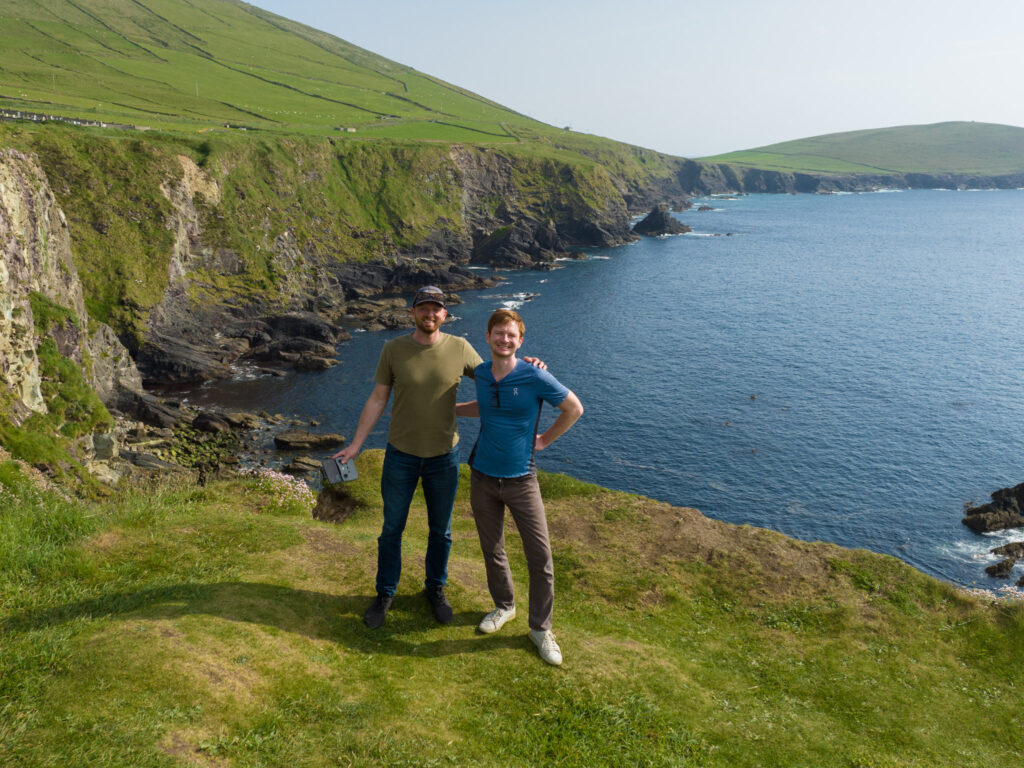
x: 701, y: 77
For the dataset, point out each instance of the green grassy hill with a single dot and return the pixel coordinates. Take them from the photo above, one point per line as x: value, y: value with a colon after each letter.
x: 205, y: 64
x: 296, y: 134
x: 943, y: 148
x: 221, y: 626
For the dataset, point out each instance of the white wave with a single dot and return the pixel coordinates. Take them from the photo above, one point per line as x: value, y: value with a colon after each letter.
x: 512, y: 300
x: 246, y: 372
x: 980, y: 550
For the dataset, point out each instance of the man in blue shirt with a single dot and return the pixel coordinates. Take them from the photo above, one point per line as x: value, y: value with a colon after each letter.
x: 510, y: 394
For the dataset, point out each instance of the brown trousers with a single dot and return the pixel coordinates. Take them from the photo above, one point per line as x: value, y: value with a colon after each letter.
x: 489, y: 496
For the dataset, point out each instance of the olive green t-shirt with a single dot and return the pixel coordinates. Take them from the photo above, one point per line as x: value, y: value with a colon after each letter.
x: 424, y: 379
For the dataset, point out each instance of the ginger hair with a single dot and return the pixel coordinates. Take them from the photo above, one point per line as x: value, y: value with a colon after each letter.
x: 502, y: 316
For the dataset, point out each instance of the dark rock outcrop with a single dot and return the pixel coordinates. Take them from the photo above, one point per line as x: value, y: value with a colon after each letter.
x: 152, y: 410
x: 301, y: 465
x: 1002, y: 569
x: 1004, y: 511
x: 1014, y: 549
x: 304, y: 325
x: 239, y: 420
x: 1012, y: 553
x: 304, y: 440
x: 660, y: 222
x: 522, y: 245
x: 208, y: 422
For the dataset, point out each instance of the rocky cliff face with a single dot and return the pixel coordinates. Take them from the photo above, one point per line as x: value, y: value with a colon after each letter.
x: 716, y: 178
x: 404, y: 217
x: 36, y: 258
x: 192, y: 252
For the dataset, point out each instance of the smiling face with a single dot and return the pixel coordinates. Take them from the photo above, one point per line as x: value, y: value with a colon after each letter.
x: 504, y: 339
x: 428, y: 317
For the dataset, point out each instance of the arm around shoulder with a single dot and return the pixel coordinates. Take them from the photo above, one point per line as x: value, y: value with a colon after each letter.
x: 470, y: 409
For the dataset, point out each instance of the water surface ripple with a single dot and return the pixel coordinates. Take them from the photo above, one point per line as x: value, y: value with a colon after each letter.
x: 844, y: 368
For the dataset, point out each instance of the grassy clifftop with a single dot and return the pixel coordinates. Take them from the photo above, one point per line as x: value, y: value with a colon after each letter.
x: 209, y: 63
x: 943, y: 148
x: 220, y: 626
x: 331, y: 199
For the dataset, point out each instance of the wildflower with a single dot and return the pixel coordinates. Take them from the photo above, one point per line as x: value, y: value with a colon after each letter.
x: 288, y: 495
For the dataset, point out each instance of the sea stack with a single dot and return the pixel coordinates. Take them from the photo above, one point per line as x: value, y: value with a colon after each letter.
x: 660, y: 222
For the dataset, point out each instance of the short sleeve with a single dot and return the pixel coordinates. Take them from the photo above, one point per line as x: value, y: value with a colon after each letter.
x: 385, y: 373
x: 550, y: 389
x: 471, y: 359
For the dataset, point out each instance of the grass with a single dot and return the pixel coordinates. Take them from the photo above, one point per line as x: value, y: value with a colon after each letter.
x: 209, y: 65
x: 73, y: 408
x: 214, y: 626
x: 941, y: 148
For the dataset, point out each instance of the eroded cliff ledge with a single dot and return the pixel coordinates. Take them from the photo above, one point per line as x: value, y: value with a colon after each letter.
x: 191, y: 249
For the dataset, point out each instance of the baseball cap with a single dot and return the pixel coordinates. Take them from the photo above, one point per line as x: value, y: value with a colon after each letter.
x: 429, y: 293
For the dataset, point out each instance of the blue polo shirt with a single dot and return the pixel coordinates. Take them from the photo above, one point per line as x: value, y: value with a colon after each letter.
x: 509, y: 412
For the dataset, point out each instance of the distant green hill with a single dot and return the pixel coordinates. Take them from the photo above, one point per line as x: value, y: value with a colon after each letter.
x: 942, y: 148
x: 209, y: 63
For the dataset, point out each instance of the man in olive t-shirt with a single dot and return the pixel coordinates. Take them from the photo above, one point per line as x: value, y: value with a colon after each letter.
x: 423, y: 369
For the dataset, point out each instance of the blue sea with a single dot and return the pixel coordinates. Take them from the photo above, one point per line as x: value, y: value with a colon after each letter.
x: 846, y: 368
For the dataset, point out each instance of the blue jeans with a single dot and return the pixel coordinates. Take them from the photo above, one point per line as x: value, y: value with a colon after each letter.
x: 398, y: 480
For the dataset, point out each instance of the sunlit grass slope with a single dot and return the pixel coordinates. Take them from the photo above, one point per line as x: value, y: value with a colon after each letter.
x: 209, y: 63
x: 956, y: 147
x: 217, y: 626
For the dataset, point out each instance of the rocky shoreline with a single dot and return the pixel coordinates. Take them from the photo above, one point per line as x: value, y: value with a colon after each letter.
x: 1005, y: 511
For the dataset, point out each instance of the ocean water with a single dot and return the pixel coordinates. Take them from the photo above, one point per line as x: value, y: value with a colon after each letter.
x: 845, y: 368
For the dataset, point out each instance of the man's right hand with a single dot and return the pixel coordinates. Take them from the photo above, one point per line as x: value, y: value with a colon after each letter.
x: 347, y: 453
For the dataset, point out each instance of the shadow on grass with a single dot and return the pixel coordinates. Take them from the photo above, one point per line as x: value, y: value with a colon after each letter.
x: 317, y: 615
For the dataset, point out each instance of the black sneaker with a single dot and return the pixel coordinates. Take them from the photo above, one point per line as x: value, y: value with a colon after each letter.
x: 442, y: 608
x: 374, y: 616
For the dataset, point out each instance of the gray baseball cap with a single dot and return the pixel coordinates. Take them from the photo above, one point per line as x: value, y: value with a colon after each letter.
x: 429, y: 293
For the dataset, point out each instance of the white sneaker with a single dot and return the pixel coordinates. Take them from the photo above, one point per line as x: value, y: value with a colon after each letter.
x: 544, y: 639
x: 496, y: 619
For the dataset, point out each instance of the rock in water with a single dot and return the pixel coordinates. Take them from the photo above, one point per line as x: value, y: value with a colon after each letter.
x: 303, y: 440
x: 660, y: 222
x: 1004, y: 511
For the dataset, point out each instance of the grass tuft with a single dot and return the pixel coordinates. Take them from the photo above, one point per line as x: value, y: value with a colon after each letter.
x: 187, y: 625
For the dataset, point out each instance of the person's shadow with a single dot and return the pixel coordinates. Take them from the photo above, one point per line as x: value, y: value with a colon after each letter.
x: 318, y: 615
